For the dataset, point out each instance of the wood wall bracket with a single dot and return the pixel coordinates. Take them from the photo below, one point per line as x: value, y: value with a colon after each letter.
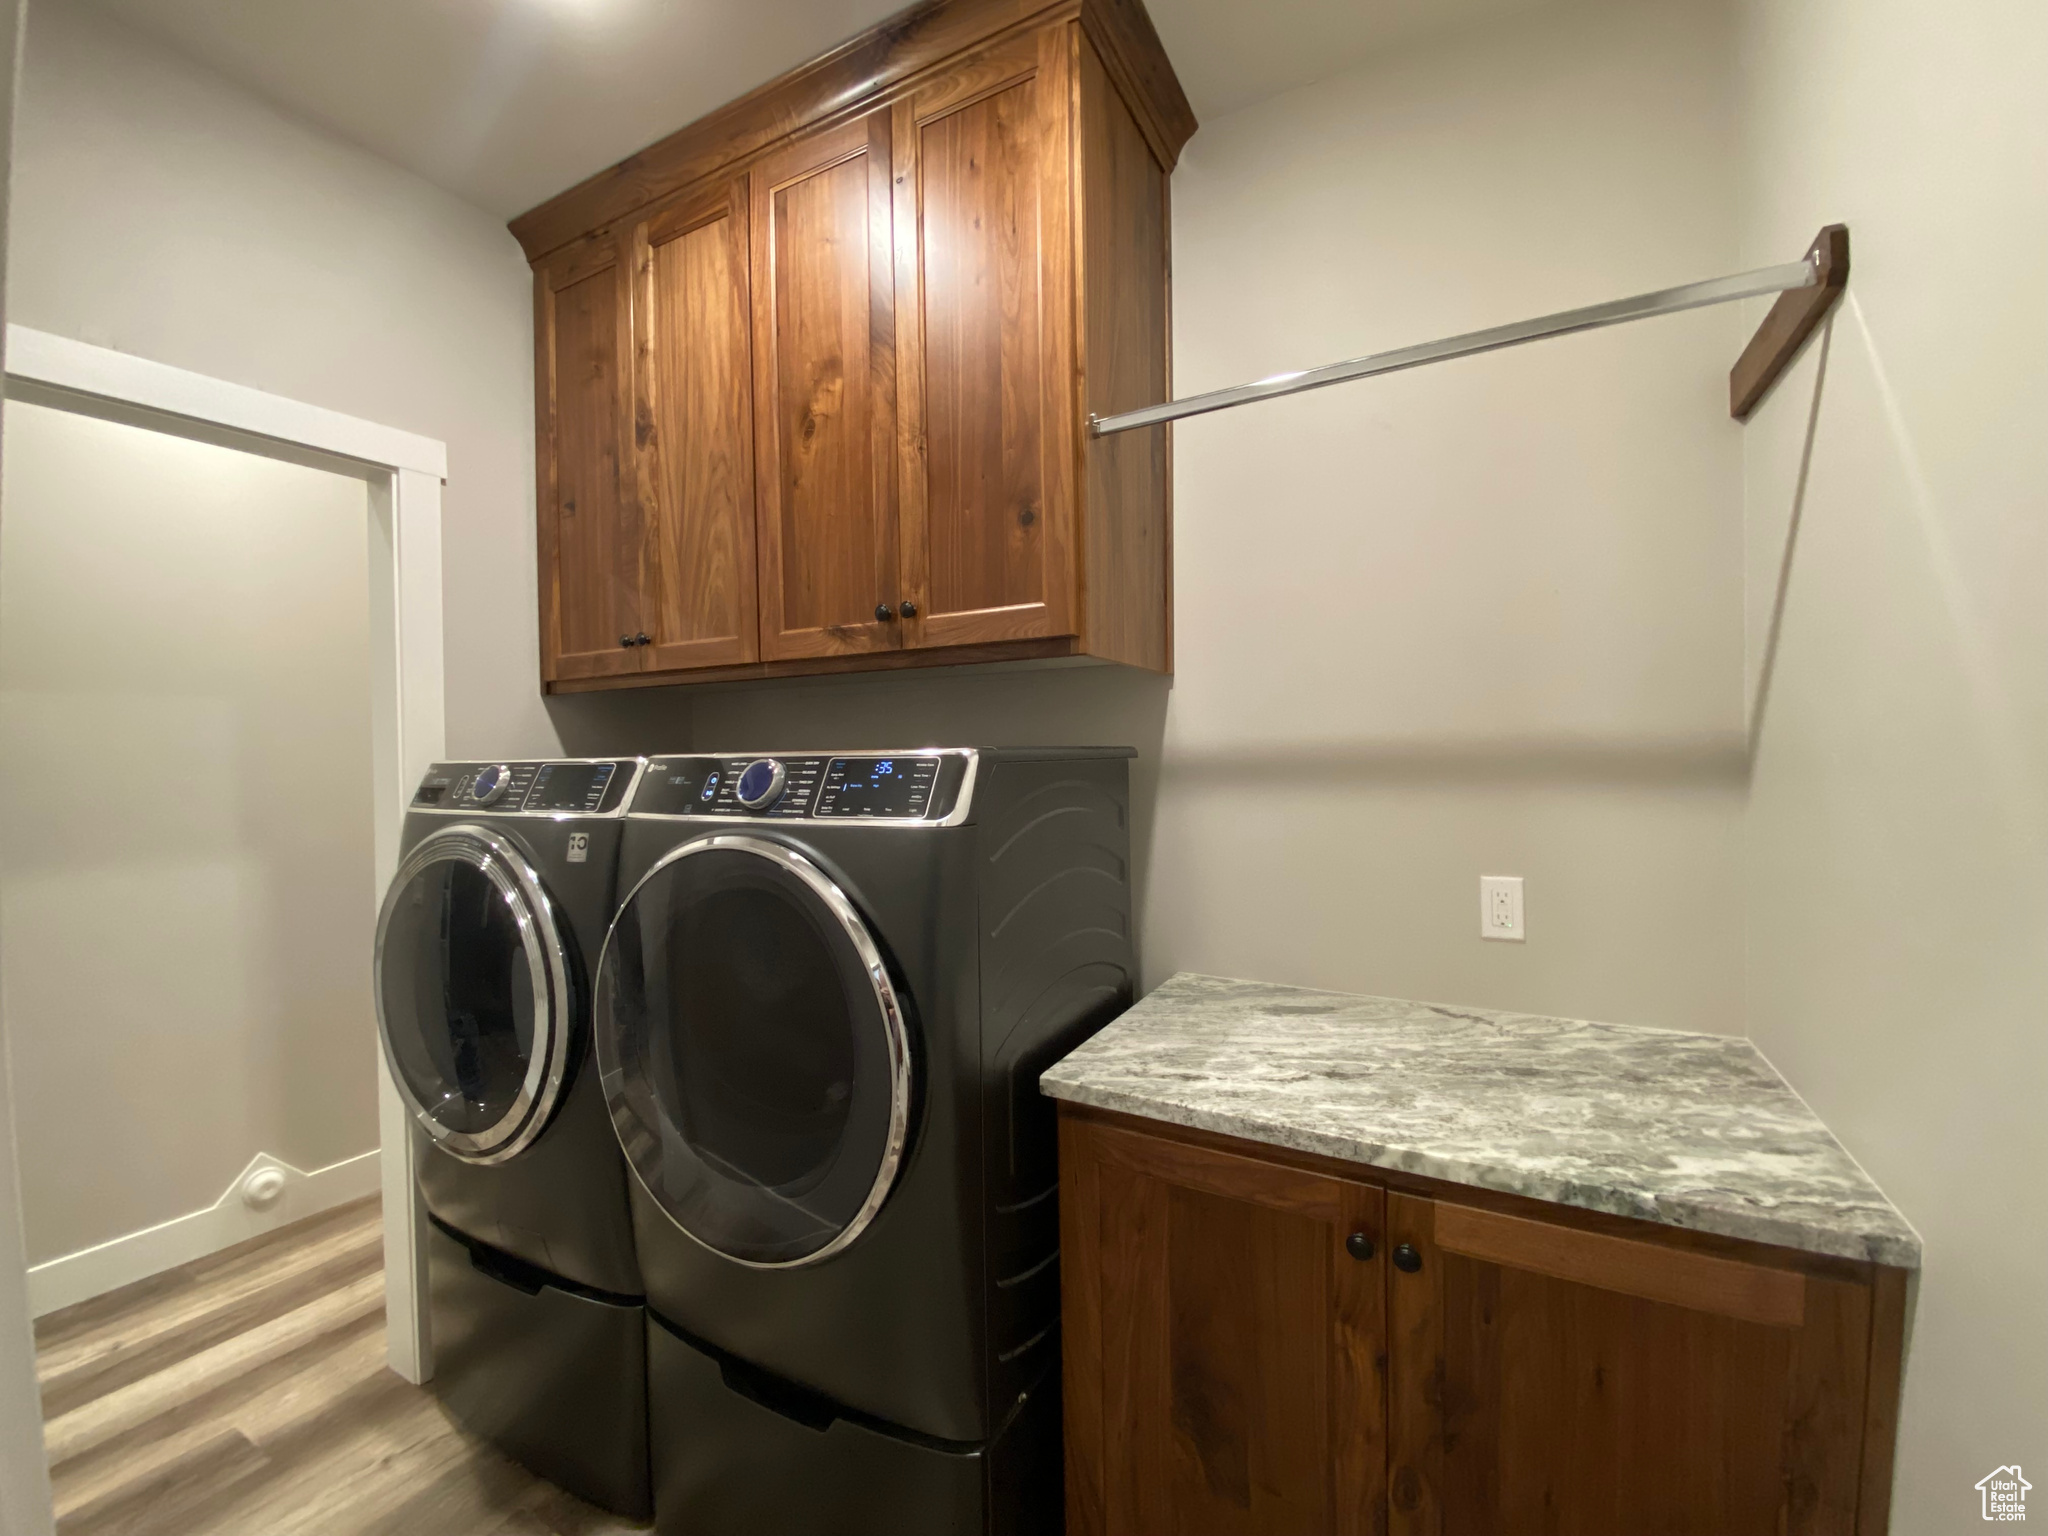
x: 1791, y: 320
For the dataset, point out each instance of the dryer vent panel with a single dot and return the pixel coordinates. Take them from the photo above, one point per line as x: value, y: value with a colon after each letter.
x: 1057, y: 963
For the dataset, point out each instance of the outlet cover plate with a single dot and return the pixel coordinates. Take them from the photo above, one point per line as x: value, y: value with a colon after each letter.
x: 1500, y: 908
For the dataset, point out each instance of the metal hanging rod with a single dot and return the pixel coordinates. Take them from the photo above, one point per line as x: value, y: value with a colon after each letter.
x: 1824, y: 269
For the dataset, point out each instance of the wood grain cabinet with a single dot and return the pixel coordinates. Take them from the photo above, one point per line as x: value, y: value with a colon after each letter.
x: 591, y: 534
x: 826, y: 338
x: 814, y: 373
x: 1262, y: 1341
x: 986, y: 378
x: 692, y: 428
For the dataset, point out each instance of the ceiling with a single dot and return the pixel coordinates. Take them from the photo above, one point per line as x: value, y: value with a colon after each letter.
x: 507, y: 102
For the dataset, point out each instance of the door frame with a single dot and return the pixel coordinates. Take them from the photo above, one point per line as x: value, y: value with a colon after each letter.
x: 405, y: 473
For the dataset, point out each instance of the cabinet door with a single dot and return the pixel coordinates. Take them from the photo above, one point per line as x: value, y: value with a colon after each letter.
x: 1547, y: 1379
x: 824, y: 394
x: 1223, y: 1348
x: 693, y: 429
x: 984, y: 253
x: 590, y: 529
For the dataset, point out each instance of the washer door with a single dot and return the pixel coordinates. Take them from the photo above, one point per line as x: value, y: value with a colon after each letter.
x: 473, y: 993
x: 753, y: 1051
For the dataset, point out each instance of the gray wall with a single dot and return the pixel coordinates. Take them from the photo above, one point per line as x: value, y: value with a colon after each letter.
x: 1498, y: 610
x: 1485, y: 618
x: 1898, y: 585
x: 161, y: 211
x: 164, y: 212
x: 1483, y: 640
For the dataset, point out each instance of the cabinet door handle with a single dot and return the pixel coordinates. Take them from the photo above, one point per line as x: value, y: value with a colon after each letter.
x: 1406, y: 1259
x: 1359, y: 1246
x: 641, y: 638
x: 884, y: 613
x: 626, y: 642
x: 909, y: 609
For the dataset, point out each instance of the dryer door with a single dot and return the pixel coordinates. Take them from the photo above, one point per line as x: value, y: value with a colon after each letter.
x: 473, y: 993
x: 753, y: 1051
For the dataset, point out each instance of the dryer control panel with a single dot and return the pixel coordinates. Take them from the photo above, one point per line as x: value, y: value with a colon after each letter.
x: 564, y: 787
x: 921, y: 786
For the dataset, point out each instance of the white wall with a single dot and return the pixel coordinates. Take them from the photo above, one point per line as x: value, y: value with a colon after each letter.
x: 186, y: 858
x: 162, y: 211
x: 1898, y: 833
x: 1480, y: 619
x: 24, y: 1482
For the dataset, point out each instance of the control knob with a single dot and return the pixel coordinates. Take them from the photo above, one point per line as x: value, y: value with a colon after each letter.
x: 490, y: 784
x: 760, y: 783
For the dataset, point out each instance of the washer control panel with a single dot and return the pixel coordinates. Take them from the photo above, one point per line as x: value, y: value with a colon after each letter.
x: 878, y: 786
x: 920, y: 786
x: 584, y: 787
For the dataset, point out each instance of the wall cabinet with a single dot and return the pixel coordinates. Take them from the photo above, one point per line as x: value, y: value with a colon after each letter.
x: 814, y: 374
x: 590, y: 531
x: 692, y: 429
x: 1260, y: 1341
x: 825, y: 335
x: 989, y: 427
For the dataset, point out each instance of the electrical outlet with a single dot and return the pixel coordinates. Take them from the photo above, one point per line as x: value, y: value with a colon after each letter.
x: 1500, y: 908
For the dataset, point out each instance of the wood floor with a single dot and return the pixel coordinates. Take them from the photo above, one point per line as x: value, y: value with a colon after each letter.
x: 246, y: 1394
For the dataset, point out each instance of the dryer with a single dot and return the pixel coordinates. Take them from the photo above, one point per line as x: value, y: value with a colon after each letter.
x: 504, y: 887
x: 820, y: 1017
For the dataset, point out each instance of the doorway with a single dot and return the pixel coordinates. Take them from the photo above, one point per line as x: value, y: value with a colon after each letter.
x: 186, y: 844
x: 127, y: 454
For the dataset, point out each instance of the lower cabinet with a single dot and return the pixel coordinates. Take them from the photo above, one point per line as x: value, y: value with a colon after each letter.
x: 1262, y: 1341
x: 1225, y: 1353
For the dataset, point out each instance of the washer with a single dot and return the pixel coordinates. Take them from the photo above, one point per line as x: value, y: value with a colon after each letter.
x: 820, y: 1017
x: 504, y: 886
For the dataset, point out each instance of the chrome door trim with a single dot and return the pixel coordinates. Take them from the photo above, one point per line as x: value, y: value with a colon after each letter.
x: 548, y: 969
x: 894, y: 1030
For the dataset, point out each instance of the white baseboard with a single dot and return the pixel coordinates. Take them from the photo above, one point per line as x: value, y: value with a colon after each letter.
x: 266, y: 1195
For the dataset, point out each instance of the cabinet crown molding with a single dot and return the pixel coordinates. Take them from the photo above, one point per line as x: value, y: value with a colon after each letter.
x: 859, y: 74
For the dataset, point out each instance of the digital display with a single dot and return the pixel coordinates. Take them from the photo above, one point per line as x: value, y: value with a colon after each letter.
x: 878, y: 786
x: 570, y: 786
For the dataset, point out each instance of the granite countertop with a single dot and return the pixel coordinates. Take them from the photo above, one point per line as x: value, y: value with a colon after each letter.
x: 1687, y: 1130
